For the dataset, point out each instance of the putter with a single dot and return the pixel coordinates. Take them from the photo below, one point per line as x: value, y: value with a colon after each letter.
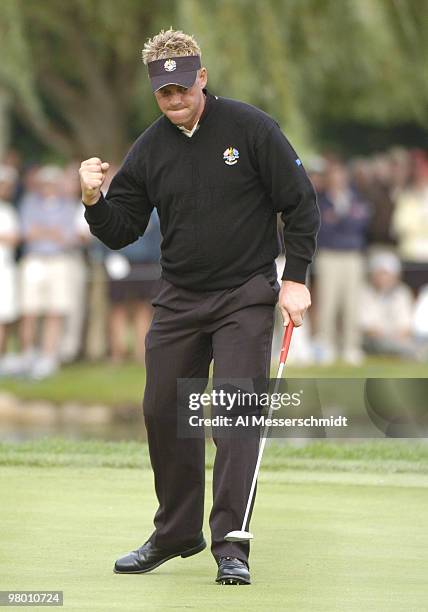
x: 242, y: 535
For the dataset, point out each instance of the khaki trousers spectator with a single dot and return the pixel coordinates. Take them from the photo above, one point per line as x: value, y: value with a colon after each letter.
x: 72, y: 338
x: 96, y: 343
x: 339, y: 280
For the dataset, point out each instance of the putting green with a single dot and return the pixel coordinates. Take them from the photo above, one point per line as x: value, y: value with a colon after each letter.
x: 324, y: 541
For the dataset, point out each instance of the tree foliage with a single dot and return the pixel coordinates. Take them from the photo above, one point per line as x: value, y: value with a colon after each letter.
x: 78, y: 82
x: 74, y: 68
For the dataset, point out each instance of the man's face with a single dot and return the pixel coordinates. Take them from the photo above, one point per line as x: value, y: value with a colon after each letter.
x: 337, y: 177
x: 384, y: 280
x: 183, y: 106
x: 49, y: 189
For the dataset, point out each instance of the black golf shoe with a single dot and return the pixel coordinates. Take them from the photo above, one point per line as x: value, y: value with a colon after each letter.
x: 232, y: 571
x: 148, y: 557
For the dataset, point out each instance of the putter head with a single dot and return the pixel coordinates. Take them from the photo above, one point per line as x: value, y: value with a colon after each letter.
x: 238, y: 536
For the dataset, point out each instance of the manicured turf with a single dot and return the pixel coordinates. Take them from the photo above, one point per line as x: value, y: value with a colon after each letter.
x: 337, y: 528
x: 377, y: 456
x: 124, y: 385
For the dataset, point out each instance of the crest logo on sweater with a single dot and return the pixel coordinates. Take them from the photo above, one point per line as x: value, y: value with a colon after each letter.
x: 231, y: 156
x: 170, y: 65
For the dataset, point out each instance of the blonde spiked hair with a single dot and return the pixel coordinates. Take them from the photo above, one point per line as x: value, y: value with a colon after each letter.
x: 169, y: 43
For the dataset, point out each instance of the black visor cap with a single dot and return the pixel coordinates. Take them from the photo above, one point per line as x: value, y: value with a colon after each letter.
x: 174, y: 71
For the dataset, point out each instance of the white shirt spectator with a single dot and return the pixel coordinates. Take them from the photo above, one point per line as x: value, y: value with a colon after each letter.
x: 9, y: 229
x: 420, y: 319
x: 388, y: 312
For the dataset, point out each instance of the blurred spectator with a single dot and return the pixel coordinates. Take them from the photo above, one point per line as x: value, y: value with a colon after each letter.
x: 30, y: 184
x: 72, y: 337
x: 387, y: 310
x: 316, y: 168
x: 401, y: 168
x: 13, y: 159
x: 361, y: 175
x: 302, y: 351
x: 48, y: 223
x: 9, y: 236
x: 339, y: 265
x: 410, y: 224
x: 420, y: 323
x: 133, y: 278
x: 420, y: 319
x: 372, y: 180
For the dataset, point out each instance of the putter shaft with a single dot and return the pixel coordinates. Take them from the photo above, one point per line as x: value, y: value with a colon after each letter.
x: 283, y: 356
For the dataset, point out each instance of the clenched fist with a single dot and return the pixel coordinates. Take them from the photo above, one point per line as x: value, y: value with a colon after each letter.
x: 92, y: 174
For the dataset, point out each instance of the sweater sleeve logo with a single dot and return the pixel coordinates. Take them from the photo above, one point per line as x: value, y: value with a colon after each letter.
x: 231, y: 156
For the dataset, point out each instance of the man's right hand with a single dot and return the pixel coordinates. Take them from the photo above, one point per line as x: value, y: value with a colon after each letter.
x: 92, y: 174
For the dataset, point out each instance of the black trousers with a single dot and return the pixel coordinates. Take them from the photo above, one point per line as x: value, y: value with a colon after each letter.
x: 189, y: 330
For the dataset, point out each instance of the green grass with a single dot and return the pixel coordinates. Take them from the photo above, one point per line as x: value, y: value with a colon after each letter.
x: 346, y: 535
x: 372, y: 367
x: 100, y: 383
x: 393, y: 456
x: 124, y: 385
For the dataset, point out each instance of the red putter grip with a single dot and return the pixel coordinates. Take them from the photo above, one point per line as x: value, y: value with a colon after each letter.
x: 286, y: 342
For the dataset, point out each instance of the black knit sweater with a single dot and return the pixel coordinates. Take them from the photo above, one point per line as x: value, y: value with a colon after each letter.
x: 217, y: 195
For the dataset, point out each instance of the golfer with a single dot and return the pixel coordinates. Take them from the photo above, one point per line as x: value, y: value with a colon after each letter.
x: 218, y: 171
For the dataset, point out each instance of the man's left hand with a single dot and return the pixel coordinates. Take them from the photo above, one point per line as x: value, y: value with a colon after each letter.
x: 294, y: 300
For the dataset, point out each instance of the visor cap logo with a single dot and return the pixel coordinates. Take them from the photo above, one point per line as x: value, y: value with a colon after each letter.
x: 170, y: 65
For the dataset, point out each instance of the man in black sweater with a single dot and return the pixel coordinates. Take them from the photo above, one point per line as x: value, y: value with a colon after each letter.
x: 218, y: 171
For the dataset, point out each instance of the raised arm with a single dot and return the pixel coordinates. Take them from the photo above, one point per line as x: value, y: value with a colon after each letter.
x: 120, y: 217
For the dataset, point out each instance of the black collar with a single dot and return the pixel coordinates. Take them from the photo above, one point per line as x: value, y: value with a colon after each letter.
x: 209, y: 103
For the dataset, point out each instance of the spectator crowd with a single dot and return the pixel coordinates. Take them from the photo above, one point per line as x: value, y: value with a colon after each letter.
x: 64, y: 296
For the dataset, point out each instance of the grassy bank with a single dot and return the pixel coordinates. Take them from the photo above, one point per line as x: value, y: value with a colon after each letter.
x: 124, y: 385
x: 390, y: 456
